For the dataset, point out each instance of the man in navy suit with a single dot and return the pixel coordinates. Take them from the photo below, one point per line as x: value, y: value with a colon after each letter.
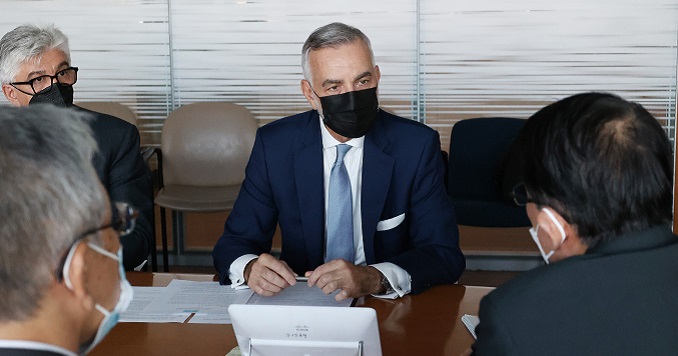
x: 35, y: 67
x: 403, y: 235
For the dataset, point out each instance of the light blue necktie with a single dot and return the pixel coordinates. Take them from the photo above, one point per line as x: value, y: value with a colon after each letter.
x: 340, y: 211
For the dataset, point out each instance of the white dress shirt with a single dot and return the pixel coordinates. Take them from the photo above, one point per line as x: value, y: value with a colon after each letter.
x: 399, y: 279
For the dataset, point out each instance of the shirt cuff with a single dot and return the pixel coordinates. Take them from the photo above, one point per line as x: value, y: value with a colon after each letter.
x: 236, y: 272
x: 400, y: 280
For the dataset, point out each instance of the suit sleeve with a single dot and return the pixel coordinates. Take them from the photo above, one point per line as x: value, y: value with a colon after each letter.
x: 435, y: 257
x: 493, y: 337
x: 251, y: 224
x: 129, y: 181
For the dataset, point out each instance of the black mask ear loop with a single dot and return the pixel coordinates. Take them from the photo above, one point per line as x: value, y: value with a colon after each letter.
x: 319, y: 102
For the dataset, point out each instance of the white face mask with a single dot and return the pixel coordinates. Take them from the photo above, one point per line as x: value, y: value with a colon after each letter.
x: 535, y: 231
x: 110, y: 318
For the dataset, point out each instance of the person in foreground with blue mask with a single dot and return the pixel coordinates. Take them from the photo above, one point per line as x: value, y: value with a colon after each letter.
x: 35, y: 67
x: 62, y: 281
x: 597, y: 178
x: 357, y: 192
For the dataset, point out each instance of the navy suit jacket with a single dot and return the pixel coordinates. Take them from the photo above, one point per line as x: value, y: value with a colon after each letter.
x: 617, y: 299
x: 27, y: 352
x: 126, y: 177
x: 402, y: 173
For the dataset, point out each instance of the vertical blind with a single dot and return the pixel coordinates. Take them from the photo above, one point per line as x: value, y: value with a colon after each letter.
x: 441, y: 60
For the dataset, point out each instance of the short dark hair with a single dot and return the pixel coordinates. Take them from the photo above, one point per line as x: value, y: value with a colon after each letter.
x: 602, y: 162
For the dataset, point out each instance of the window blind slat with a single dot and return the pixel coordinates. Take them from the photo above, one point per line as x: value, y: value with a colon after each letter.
x: 480, y: 58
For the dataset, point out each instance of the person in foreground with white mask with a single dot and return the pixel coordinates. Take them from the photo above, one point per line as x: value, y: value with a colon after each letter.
x: 597, y: 186
x: 61, y: 276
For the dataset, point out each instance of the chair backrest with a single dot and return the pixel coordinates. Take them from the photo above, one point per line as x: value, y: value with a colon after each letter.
x: 477, y: 146
x: 207, y: 144
x: 111, y: 108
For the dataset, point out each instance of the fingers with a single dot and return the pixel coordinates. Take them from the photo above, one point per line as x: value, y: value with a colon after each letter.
x: 279, y: 267
x: 342, y: 295
x: 314, y: 276
x: 352, y: 281
x: 268, y: 275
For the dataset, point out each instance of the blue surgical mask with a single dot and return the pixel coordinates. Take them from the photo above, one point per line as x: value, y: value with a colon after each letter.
x: 110, y: 317
x: 534, y: 232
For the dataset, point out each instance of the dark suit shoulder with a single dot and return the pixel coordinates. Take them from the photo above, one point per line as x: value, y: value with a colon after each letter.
x: 596, y: 269
x: 292, y: 132
x: 623, y: 298
x: 28, y: 352
x: 397, y: 127
x: 125, y: 176
x: 108, y: 124
x: 290, y: 123
x: 522, y: 287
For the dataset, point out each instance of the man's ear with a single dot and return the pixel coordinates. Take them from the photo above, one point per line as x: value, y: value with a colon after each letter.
x: 552, y: 231
x: 307, y: 90
x: 573, y: 244
x: 11, y: 94
x: 378, y: 72
x: 78, y: 277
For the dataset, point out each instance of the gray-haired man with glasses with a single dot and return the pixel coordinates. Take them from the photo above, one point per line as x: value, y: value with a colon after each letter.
x: 43, y: 88
x: 35, y: 67
x: 62, y: 281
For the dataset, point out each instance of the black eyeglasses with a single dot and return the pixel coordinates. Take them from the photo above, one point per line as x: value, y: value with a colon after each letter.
x: 123, y: 220
x: 520, y: 196
x: 124, y: 217
x: 66, y: 76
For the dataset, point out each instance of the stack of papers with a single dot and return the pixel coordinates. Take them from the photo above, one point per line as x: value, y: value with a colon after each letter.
x: 471, y: 321
x: 207, y: 302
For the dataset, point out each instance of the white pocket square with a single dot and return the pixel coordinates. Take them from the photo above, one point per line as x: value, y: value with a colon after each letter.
x: 389, y: 224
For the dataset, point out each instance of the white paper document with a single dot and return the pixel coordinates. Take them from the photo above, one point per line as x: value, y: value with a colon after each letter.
x: 143, y: 296
x: 301, y: 294
x: 201, y: 318
x: 208, y: 302
x: 471, y: 321
x: 182, y: 296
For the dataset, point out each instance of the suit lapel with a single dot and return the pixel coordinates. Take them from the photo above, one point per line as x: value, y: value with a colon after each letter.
x: 377, y: 171
x: 308, y: 161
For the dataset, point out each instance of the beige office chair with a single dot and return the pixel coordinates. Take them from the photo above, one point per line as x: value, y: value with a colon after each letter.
x: 111, y: 108
x: 204, y: 150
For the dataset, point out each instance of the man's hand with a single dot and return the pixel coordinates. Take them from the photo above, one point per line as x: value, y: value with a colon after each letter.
x: 267, y: 276
x: 353, y: 281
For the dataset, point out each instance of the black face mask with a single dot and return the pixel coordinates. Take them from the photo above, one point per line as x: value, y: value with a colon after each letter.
x: 351, y: 114
x: 57, y: 94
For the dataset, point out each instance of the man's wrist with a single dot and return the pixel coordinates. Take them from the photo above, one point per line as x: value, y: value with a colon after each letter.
x: 386, y: 287
x: 248, y: 269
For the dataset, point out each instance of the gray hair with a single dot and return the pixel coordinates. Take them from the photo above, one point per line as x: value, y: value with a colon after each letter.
x: 50, y: 195
x: 28, y: 42
x: 332, y: 35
